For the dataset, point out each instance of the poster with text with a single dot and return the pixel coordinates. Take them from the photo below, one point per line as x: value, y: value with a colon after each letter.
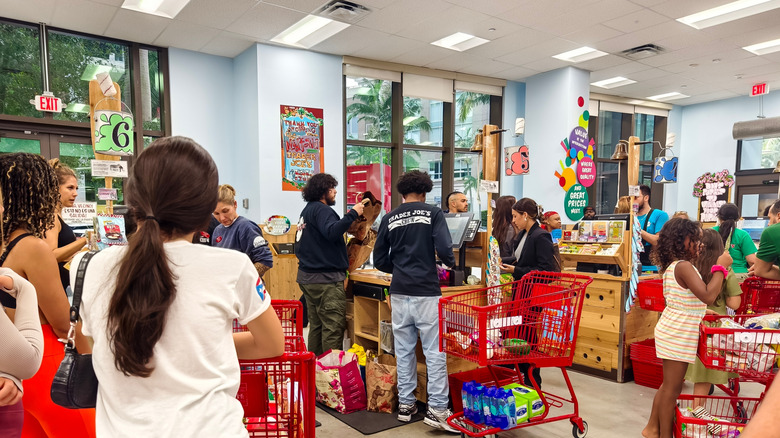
x: 302, y: 145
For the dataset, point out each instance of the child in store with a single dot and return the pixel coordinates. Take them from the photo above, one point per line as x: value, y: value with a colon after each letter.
x: 702, y: 378
x: 677, y: 331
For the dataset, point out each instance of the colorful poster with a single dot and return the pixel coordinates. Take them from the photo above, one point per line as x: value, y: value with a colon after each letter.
x: 578, y: 170
x: 516, y: 160
x: 302, y: 145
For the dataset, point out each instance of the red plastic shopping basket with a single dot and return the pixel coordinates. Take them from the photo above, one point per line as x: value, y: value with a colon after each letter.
x: 747, y: 352
x: 731, y: 414
x: 648, y: 368
x: 760, y: 295
x: 650, y: 294
x: 535, y: 323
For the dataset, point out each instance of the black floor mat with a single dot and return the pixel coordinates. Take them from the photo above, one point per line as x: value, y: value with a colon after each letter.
x: 369, y: 423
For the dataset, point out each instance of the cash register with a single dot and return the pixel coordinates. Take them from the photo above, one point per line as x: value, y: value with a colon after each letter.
x: 463, y: 228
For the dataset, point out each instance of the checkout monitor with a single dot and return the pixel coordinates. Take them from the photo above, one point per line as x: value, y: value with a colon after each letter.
x: 754, y: 226
x: 457, y: 224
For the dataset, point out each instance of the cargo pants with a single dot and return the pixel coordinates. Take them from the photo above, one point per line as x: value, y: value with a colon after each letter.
x: 326, y: 305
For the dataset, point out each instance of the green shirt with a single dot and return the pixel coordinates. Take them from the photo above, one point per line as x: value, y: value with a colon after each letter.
x: 730, y: 288
x: 769, y: 246
x: 741, y: 246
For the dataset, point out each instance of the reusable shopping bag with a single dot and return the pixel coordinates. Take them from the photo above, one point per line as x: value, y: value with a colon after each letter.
x: 339, y: 385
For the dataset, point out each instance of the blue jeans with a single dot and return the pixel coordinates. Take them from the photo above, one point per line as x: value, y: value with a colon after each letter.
x: 410, y: 316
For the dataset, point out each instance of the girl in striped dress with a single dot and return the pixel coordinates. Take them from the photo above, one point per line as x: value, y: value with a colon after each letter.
x: 677, y: 331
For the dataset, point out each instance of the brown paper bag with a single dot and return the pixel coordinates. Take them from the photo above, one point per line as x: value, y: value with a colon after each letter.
x: 382, y: 384
x: 358, y: 251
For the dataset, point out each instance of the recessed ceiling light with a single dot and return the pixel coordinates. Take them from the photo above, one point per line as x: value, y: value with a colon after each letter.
x: 764, y: 48
x: 668, y: 96
x: 617, y: 81
x: 579, y: 55
x: 309, y: 31
x: 460, y: 41
x: 162, y: 8
x: 728, y: 12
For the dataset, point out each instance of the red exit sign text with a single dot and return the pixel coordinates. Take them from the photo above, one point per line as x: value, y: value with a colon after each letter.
x: 759, y: 89
x: 48, y: 103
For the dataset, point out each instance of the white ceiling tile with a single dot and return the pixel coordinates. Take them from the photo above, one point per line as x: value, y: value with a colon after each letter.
x: 403, y: 13
x: 116, y: 3
x: 485, y: 68
x: 707, y: 97
x: 87, y: 16
x: 547, y: 64
x: 227, y: 44
x: 446, y: 23
x: 764, y: 20
x: 185, y: 36
x: 755, y: 36
x: 592, y: 35
x: 136, y: 26
x: 265, y: 21
x: 544, y: 49
x: 351, y: 40
x: 423, y: 54
x: 306, y: 6
x: 376, y: 4
x: 677, y: 9
x: 647, y: 3
x: 523, y: 38
x: 648, y: 74
x: 519, y: 74
x: 33, y: 11
x: 215, y: 14
x: 640, y: 19
x: 388, y: 48
x: 454, y: 62
x: 627, y: 70
x: 502, y: 28
x: 601, y: 63
x: 531, y: 12
x: 490, y: 7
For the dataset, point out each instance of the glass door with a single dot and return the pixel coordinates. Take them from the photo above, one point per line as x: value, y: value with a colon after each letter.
x: 33, y: 143
x: 77, y: 153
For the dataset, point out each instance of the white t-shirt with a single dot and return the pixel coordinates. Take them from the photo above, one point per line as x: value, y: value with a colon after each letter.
x: 192, y: 390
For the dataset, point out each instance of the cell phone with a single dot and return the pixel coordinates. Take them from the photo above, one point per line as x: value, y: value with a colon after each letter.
x: 7, y: 300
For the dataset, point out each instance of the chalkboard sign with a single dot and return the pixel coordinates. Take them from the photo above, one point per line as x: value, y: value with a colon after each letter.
x: 715, y: 194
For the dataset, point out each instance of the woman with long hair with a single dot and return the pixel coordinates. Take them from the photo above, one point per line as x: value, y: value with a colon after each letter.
x: 535, y: 251
x: 503, y: 230
x: 61, y: 238
x: 161, y: 309
x: 30, y: 197
x: 740, y: 245
x: 239, y: 233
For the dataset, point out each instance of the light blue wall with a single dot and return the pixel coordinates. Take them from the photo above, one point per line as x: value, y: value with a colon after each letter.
x: 231, y: 107
x: 706, y: 144
x: 199, y: 107
x: 514, y: 107
x: 671, y: 190
x: 551, y: 113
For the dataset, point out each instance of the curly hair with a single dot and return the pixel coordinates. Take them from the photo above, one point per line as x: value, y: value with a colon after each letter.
x: 30, y: 193
x: 671, y: 242
x: 62, y: 171
x: 414, y: 181
x: 318, y: 186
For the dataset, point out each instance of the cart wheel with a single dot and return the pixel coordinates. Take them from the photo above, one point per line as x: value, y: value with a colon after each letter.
x: 742, y: 416
x: 575, y: 431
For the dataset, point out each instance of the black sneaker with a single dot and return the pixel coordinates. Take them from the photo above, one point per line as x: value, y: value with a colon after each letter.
x: 405, y: 412
x: 438, y: 419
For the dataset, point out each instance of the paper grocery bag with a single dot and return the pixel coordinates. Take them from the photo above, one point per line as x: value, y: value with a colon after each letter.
x: 382, y: 384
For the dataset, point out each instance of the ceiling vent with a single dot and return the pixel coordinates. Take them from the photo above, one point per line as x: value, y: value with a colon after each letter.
x: 642, y: 52
x: 344, y: 11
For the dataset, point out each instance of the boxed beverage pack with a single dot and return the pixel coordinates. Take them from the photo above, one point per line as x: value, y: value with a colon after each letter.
x: 530, y: 397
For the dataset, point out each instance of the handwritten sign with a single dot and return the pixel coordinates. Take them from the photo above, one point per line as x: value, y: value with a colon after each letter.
x: 108, y: 168
x: 302, y: 145
x: 715, y: 194
x: 488, y: 186
x: 82, y: 213
x: 105, y: 194
x: 586, y: 172
x: 575, y: 201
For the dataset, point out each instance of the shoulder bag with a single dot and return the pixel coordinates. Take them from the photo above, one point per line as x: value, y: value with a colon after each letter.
x: 75, y: 384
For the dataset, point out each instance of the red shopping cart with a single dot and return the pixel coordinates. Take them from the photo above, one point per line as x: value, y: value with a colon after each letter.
x: 278, y: 393
x: 760, y: 295
x: 731, y: 413
x: 486, y: 326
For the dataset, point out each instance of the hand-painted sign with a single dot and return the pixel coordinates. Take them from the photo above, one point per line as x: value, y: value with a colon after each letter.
x: 302, y: 145
x: 575, y: 202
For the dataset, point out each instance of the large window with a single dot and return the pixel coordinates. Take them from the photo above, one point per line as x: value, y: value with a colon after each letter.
x: 423, y: 119
x: 20, y: 69
x: 758, y: 153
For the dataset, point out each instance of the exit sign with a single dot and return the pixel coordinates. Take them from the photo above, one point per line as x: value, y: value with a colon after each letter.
x: 759, y: 89
x: 48, y: 103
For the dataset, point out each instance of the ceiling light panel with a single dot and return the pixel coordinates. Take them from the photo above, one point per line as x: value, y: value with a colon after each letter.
x: 617, y: 81
x: 460, y: 42
x: 162, y: 8
x: 764, y: 48
x: 728, y: 12
x: 668, y: 96
x: 309, y: 31
x: 581, y: 54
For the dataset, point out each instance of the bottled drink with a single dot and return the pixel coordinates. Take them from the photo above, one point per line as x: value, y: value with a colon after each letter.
x: 489, y: 406
x: 465, y: 397
x: 478, y: 394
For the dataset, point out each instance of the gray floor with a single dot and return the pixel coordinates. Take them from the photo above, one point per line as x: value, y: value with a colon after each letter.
x: 612, y: 410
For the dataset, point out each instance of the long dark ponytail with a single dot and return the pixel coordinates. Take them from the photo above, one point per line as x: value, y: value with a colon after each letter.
x: 502, y: 217
x: 167, y: 204
x: 728, y: 215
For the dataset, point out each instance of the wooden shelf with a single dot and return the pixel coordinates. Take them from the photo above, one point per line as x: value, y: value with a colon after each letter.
x: 367, y: 336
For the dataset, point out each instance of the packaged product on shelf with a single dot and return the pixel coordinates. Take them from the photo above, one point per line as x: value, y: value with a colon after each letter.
x: 585, y: 231
x: 600, y: 231
x: 616, y: 229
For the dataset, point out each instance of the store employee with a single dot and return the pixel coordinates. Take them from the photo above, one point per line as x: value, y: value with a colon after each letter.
x: 769, y: 247
x: 651, y: 221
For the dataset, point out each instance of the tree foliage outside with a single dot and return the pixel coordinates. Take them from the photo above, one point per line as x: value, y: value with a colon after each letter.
x: 20, y: 69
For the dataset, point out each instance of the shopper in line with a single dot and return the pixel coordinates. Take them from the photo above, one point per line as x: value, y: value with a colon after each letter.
x: 769, y: 247
x: 740, y: 244
x: 323, y: 263
x: 456, y: 202
x: 30, y: 198
x: 729, y: 296
x: 22, y: 348
x: 161, y: 309
x: 239, y: 233
x: 677, y: 331
x: 651, y: 221
x: 551, y: 221
x: 623, y: 205
x: 60, y: 237
x: 503, y: 230
x: 409, y: 239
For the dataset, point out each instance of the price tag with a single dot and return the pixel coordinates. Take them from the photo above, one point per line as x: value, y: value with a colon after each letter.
x: 634, y: 191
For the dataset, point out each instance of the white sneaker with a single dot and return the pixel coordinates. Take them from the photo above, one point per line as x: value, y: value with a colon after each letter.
x: 405, y: 412
x: 438, y: 419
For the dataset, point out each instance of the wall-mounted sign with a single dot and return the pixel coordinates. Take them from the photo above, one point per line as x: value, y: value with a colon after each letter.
x: 48, y: 103
x: 517, y: 160
x: 575, y: 202
x: 488, y: 186
x: 82, y: 213
x: 713, y: 190
x: 302, y: 145
x: 105, y: 194
x: 113, y: 130
x: 586, y: 172
x: 103, y: 168
x: 759, y: 89
x: 665, y: 170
